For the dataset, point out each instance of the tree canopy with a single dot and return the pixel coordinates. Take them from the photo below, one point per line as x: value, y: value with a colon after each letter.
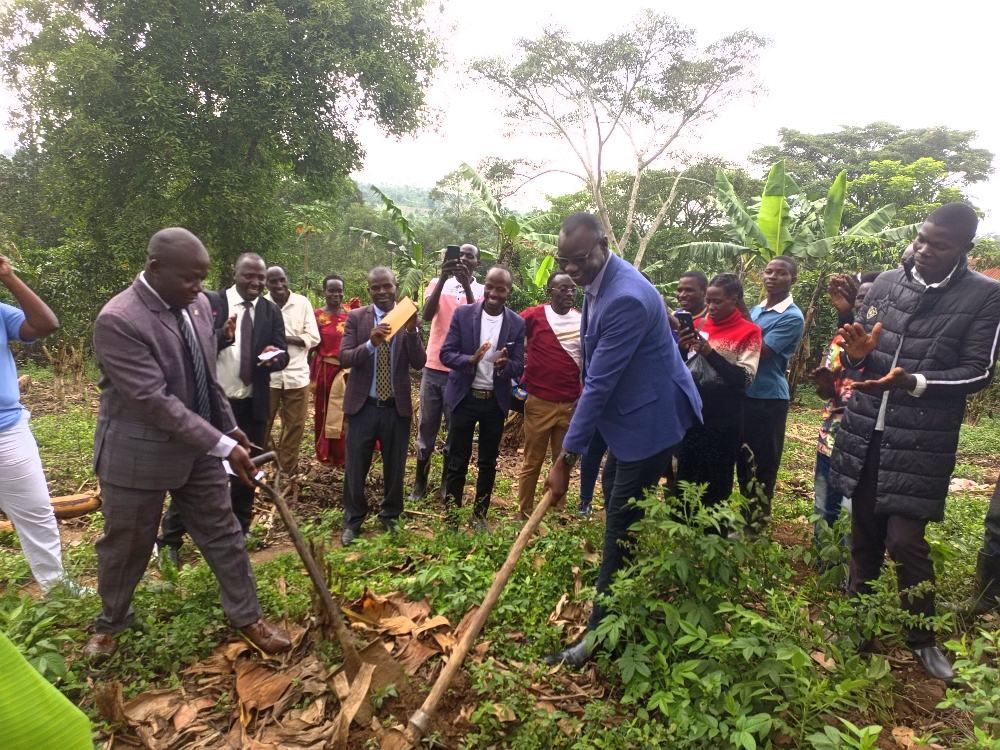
x: 815, y: 160
x: 154, y: 113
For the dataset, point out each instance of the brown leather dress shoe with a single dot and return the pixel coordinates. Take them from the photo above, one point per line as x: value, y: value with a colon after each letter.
x: 101, y: 647
x: 267, y: 637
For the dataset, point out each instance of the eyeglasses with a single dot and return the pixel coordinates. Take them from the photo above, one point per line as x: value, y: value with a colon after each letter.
x: 579, y: 260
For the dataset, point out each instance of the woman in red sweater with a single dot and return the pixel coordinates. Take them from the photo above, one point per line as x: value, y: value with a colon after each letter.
x: 728, y: 347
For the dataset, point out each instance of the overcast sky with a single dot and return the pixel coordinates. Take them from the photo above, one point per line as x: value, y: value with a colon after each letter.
x: 914, y: 64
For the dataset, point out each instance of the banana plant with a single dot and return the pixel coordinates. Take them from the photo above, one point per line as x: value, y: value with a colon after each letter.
x: 513, y: 232
x: 785, y: 222
x: 413, y: 267
x: 537, y: 277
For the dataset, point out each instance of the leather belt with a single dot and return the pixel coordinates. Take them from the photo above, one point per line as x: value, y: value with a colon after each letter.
x: 476, y: 393
x: 379, y: 403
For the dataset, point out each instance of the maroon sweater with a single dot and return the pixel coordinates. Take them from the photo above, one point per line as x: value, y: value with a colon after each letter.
x: 549, y: 372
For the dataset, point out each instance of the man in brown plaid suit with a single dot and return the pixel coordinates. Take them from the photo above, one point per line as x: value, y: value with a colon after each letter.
x: 165, y: 425
x: 377, y: 402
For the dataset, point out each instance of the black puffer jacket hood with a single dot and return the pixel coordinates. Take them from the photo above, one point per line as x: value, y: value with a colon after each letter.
x: 947, y: 334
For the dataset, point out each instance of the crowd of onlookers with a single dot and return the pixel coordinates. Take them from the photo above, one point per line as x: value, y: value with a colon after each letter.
x: 193, y: 381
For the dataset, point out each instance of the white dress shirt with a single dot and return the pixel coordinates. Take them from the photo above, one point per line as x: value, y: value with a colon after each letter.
x: 300, y: 320
x: 228, y: 364
x: 225, y: 446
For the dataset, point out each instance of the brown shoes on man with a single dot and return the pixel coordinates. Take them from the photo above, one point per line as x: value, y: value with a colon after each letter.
x: 101, y: 647
x: 267, y: 637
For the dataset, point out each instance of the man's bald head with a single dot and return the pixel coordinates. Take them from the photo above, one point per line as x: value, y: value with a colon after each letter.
x: 176, y: 266
x: 175, y: 244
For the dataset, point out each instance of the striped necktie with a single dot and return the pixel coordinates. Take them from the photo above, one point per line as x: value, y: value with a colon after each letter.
x: 198, y: 363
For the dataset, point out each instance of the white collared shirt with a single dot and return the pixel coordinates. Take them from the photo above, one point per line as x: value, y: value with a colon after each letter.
x: 225, y: 446
x: 228, y: 364
x: 300, y: 320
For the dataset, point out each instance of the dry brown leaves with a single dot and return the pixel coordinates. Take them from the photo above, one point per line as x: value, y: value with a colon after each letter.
x: 406, y: 628
x: 240, y: 699
x: 571, y: 616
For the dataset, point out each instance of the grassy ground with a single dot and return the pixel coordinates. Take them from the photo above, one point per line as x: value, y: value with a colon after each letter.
x: 179, y: 619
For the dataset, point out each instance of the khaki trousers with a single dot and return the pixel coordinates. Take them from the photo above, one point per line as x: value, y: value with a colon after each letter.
x: 294, y: 406
x: 545, y: 426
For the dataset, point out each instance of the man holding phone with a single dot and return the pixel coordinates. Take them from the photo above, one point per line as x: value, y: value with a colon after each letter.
x: 455, y: 287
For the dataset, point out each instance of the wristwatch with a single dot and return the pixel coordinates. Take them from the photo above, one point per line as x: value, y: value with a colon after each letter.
x: 569, y: 459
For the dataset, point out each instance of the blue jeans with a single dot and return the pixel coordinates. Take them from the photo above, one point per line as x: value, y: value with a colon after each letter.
x: 828, y: 501
x: 590, y: 468
x: 623, y: 481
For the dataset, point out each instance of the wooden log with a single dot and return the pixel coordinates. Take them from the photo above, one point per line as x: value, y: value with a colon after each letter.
x: 68, y: 506
x: 74, y: 506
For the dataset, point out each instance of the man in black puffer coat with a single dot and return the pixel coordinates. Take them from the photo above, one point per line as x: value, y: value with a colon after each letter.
x: 927, y: 338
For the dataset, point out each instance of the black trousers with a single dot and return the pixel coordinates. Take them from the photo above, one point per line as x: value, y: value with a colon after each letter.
x: 370, y: 424
x: 487, y: 414
x: 764, y: 437
x: 623, y: 481
x: 707, y: 454
x: 240, y: 495
x: 872, y: 535
x: 991, y: 539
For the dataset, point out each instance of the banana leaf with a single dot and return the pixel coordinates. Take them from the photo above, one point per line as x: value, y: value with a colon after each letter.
x: 33, y: 714
x: 709, y: 252
x: 773, y: 218
x: 547, y: 243
x: 484, y: 199
x: 873, y: 223
x: 368, y: 234
x: 742, y: 223
x: 897, y: 234
x: 833, y: 211
x: 800, y: 243
x: 544, y: 271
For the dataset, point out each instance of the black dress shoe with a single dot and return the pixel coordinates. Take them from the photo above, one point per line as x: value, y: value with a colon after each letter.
x: 935, y: 664
x: 347, y: 537
x: 574, y: 656
x: 391, y: 526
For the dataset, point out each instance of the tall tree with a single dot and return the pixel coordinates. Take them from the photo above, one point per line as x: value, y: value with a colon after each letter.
x: 154, y: 112
x: 649, y: 85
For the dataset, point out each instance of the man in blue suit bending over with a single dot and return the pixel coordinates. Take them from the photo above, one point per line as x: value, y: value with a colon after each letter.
x: 636, y: 391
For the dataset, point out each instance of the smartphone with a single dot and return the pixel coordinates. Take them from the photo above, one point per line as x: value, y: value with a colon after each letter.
x: 454, y: 252
x: 685, y: 319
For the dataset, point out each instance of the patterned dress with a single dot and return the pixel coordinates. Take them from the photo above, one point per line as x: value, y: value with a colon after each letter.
x: 322, y: 373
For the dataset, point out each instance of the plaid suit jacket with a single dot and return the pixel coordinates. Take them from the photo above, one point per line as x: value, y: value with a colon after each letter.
x: 408, y: 352
x: 148, y: 434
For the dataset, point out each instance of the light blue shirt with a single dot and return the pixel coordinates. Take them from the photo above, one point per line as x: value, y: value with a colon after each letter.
x: 373, y: 350
x: 10, y: 392
x: 782, y: 327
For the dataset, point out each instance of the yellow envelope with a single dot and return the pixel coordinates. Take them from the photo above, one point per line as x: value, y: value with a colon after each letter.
x: 397, y: 316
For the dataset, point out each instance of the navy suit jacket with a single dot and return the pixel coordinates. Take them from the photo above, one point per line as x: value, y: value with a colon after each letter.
x: 462, y: 342
x: 636, y: 389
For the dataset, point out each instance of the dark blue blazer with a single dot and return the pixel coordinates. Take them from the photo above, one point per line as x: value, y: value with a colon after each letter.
x: 636, y: 388
x: 462, y: 342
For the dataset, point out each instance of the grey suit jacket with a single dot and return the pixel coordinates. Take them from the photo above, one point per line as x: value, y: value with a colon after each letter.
x: 148, y: 434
